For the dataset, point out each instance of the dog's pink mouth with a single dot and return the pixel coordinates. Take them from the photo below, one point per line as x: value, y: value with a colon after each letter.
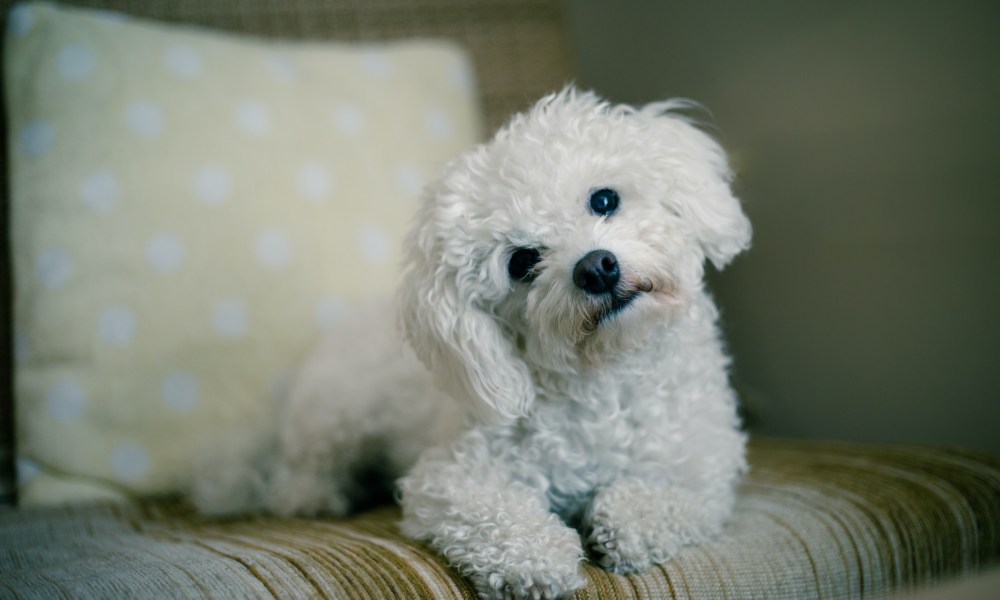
x: 618, y: 302
x: 615, y: 302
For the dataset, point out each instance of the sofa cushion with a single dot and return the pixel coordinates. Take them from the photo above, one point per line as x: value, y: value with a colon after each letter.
x: 811, y: 521
x: 189, y: 211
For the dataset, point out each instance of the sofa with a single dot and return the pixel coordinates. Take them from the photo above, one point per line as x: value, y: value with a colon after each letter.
x: 813, y: 520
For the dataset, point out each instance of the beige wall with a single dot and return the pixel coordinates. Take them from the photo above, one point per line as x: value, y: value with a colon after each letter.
x: 867, y: 140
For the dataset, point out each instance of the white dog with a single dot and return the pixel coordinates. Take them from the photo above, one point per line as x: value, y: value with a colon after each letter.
x: 554, y: 290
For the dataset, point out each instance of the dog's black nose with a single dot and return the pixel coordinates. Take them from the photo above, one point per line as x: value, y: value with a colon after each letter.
x: 597, y: 272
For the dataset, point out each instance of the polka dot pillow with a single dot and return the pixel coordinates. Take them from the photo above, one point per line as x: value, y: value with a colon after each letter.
x: 189, y: 211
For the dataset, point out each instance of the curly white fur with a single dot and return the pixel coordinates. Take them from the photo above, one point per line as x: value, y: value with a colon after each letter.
x: 567, y: 427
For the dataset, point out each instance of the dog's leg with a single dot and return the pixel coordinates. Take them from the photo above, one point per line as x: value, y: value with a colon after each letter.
x: 631, y: 525
x: 493, y: 529
x: 307, y: 487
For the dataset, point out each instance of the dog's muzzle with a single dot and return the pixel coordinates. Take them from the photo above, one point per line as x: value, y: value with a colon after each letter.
x: 599, y: 275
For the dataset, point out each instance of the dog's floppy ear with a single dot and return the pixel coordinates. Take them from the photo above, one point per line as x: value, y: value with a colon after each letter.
x: 470, y: 356
x: 702, y: 196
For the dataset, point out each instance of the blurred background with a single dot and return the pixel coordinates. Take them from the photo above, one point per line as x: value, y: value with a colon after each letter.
x: 865, y: 139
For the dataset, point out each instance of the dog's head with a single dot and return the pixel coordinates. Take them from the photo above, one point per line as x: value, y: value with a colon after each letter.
x: 561, y: 243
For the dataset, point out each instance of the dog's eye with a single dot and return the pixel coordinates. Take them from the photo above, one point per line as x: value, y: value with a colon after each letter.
x: 604, y: 201
x: 522, y: 264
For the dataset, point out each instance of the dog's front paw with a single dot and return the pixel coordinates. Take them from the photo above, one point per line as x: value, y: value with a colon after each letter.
x: 615, y: 548
x: 630, y: 527
x: 544, y: 565
x: 523, y: 585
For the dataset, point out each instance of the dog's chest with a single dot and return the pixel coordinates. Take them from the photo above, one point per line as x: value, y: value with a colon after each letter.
x: 587, y: 444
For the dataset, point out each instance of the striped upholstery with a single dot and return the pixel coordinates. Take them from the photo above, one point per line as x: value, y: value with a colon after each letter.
x: 813, y: 521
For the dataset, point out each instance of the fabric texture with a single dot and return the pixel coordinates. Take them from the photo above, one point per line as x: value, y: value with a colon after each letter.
x: 519, y: 49
x: 812, y: 521
x: 189, y: 211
